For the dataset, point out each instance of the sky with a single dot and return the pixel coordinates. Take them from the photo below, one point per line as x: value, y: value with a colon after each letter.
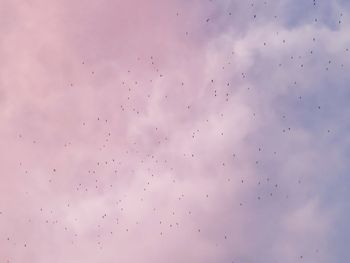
x: 174, y: 131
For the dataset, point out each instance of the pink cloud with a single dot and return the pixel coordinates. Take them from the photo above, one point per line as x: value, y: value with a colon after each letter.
x: 140, y: 131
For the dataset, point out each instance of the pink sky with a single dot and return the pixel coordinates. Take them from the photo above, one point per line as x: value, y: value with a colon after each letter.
x: 173, y: 131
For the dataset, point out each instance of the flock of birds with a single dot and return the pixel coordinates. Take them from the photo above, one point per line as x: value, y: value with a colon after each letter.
x: 132, y: 178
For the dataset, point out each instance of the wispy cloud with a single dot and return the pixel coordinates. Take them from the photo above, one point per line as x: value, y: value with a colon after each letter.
x: 174, y: 131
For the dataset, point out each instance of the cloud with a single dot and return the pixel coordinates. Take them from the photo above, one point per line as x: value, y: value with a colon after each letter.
x: 182, y: 131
